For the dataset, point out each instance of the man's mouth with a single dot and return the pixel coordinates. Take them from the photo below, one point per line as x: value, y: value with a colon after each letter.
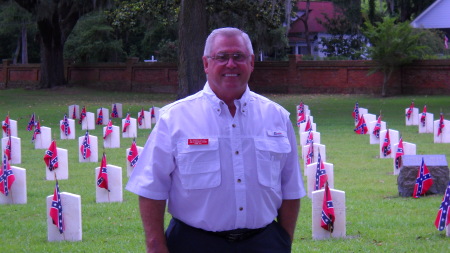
x: 231, y: 75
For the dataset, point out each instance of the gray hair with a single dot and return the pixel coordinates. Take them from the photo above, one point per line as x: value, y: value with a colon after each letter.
x: 228, y: 32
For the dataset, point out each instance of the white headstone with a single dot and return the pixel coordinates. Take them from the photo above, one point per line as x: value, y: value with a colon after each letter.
x: 44, y: 139
x: 154, y: 119
x: 363, y: 110
x: 114, y: 185
x: 16, y: 149
x: 369, y: 117
x: 393, y: 136
x: 371, y: 126
x: 88, y: 122
x: 311, y: 176
x: 408, y: 149
x: 305, y: 109
x: 318, y: 233
x: 105, y: 113
x: 444, y: 137
x: 77, y: 111
x: 71, y: 205
x: 414, y: 118
x: 317, y: 148
x: 129, y: 168
x: 94, y: 149
x: 62, y: 172
x: 13, y: 128
x: 301, y: 128
x: 131, y: 131
x: 18, y: 192
x: 428, y: 128
x: 113, y: 139
x: 119, y: 109
x: 304, y: 138
x: 70, y: 136
x: 146, y: 121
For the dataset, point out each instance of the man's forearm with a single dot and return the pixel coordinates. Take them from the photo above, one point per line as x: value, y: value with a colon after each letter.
x: 287, y: 215
x: 152, y: 215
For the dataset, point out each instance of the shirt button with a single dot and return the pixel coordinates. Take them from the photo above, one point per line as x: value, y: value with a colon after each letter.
x: 243, y: 110
x: 237, y: 152
x: 234, y: 125
x: 239, y: 180
x: 218, y: 110
x: 241, y: 208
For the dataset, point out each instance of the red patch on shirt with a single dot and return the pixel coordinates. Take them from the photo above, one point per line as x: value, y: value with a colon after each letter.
x: 197, y: 141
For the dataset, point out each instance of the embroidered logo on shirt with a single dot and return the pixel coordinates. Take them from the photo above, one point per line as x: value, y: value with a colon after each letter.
x: 276, y: 133
x: 197, y: 141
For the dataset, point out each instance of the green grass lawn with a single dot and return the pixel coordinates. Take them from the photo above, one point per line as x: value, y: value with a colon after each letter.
x: 377, y: 219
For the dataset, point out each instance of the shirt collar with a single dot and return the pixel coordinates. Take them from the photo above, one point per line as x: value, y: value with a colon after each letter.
x: 219, y: 105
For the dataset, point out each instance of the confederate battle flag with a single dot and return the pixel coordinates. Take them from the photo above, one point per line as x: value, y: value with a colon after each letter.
x: 141, y: 117
x: 108, y: 130
x: 82, y: 115
x: 31, y: 123
x: 361, y: 127
x: 355, y: 113
x: 410, y: 110
x: 114, y: 113
x: 51, y: 157
x: 100, y: 117
x: 74, y: 113
x: 328, y: 218
x: 65, y: 125
x: 102, y: 179
x: 85, y: 147
x: 56, y: 210
x: 377, y: 128
x: 386, y: 148
x: 423, y: 116
x: 423, y: 181
x: 310, y: 154
x: 441, y: 124
x: 321, y: 174
x: 37, y: 131
x: 7, y: 126
x: 443, y: 216
x: 7, y: 177
x: 398, y: 155
x: 8, y: 149
x: 133, y: 155
x: 127, y: 123
x: 301, y: 117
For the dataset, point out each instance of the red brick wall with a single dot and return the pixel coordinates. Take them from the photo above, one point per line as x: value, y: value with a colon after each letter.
x: 294, y: 76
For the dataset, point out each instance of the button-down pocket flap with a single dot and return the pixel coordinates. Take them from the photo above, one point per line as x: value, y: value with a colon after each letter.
x: 277, y: 145
x: 184, y: 147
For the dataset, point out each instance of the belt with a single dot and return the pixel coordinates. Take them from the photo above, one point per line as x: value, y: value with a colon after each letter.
x: 234, y: 235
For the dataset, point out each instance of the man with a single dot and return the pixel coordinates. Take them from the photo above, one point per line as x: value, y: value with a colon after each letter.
x: 226, y: 160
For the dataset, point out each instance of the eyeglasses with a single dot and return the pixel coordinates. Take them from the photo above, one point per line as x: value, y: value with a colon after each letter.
x: 223, y: 58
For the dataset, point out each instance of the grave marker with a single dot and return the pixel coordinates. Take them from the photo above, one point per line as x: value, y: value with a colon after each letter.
x: 154, y: 114
x: 393, y: 137
x: 146, y: 121
x: 71, y: 204
x: 129, y: 167
x: 408, y: 149
x: 88, y: 122
x: 131, y: 130
x: 118, y: 107
x: 71, y: 135
x: 16, y: 149
x: 74, y: 110
x: 104, y: 112
x: 311, y: 176
x: 414, y: 118
x: 18, y: 192
x: 114, y: 185
x: 318, y: 233
x: 113, y: 139
x: 317, y: 148
x: 12, y: 127
x: 373, y: 137
x: 428, y: 128
x: 93, y: 147
x: 44, y: 139
x: 62, y: 172
x: 444, y: 136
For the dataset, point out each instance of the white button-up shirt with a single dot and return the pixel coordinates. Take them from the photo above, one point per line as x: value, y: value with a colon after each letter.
x: 220, y: 172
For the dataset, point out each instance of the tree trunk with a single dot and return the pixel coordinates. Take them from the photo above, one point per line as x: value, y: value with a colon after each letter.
x: 308, y: 42
x: 52, y: 60
x: 387, y: 76
x: 16, y: 53
x: 24, y: 45
x: 192, y: 33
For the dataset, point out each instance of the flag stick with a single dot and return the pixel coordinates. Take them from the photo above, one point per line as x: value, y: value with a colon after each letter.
x: 12, y: 198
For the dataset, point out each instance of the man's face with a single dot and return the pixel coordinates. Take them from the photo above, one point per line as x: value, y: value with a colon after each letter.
x: 228, y: 79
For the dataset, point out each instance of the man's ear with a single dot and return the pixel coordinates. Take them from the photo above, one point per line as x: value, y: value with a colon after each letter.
x: 205, y: 64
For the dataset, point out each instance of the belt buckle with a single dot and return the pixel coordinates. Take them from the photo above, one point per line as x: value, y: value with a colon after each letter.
x: 233, y: 237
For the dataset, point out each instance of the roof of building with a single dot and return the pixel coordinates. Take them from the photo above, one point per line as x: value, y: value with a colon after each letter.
x: 317, y: 11
x: 435, y: 16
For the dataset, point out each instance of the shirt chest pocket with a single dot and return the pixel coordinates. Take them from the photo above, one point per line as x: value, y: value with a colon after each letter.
x: 270, y: 152
x: 199, y: 165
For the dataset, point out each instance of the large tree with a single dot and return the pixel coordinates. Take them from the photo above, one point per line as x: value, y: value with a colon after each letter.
x: 55, y: 20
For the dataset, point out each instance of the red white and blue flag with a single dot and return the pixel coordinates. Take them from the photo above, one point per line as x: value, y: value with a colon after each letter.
x: 100, y: 117
x: 56, y: 210
x: 386, y: 147
x: 441, y: 124
x: 361, y: 127
x: 377, y: 127
x: 141, y: 117
x: 398, y: 155
x: 133, y: 155
x: 127, y: 123
x: 8, y: 149
x: 102, y: 179
x: 108, y: 129
x: 443, y: 215
x: 37, y: 131
x: 423, y: 116
x: 152, y: 113
x: 327, y: 218
x: 410, y: 110
x: 85, y: 147
x: 7, y: 177
x: 355, y: 112
x: 74, y: 113
x: 423, y: 181
x: 51, y: 157
x: 310, y: 138
x: 310, y: 154
x: 301, y: 117
x: 31, y: 123
x: 321, y: 174
x: 114, y: 113
x: 7, y: 126
x: 82, y: 115
x: 65, y: 125
x: 308, y: 126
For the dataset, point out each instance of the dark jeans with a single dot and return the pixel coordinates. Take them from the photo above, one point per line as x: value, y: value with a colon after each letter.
x: 182, y: 238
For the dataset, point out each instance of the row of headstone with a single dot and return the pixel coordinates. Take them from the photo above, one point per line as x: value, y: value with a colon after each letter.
x: 315, y: 168
x: 426, y: 123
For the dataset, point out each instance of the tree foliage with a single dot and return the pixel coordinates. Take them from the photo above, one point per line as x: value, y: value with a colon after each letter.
x: 393, y: 45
